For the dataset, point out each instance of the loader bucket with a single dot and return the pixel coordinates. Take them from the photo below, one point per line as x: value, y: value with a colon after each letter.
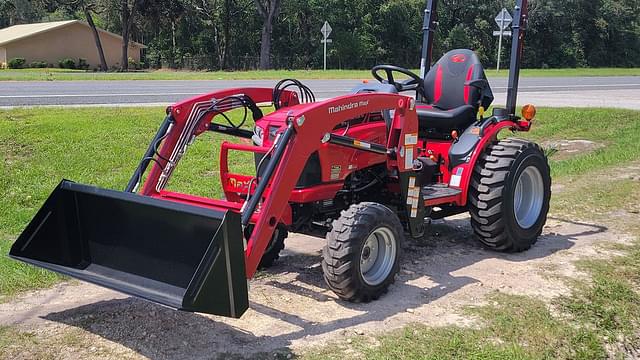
x: 181, y: 256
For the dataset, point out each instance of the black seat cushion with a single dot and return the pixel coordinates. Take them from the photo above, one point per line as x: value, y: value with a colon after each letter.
x: 458, y: 118
x: 452, y: 103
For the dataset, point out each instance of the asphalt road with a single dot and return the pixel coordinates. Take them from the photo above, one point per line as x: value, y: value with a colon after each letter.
x: 559, y: 91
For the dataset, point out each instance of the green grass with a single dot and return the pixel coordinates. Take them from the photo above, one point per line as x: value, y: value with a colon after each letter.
x: 513, y: 327
x: 21, y: 344
x: 39, y: 147
x: 600, y: 318
x: 596, y: 200
x: 618, y: 130
x: 101, y: 146
x: 63, y: 74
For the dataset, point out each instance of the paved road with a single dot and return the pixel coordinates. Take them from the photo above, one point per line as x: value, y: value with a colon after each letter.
x: 570, y: 91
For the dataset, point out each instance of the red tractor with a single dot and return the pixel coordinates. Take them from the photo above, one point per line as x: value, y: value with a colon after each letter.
x: 361, y: 170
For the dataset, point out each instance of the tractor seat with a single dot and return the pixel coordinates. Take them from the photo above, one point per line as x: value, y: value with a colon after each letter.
x: 452, y: 97
x: 445, y: 120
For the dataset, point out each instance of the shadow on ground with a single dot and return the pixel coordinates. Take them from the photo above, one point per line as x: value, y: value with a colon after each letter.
x: 291, y: 304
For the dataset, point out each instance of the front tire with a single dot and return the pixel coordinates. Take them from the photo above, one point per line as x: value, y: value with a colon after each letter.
x: 276, y: 245
x: 361, y: 258
x: 509, y: 195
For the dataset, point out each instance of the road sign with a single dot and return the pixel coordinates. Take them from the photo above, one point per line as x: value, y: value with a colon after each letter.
x: 326, y: 29
x: 504, y: 19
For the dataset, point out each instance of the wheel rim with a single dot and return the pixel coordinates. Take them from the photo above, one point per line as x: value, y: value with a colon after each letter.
x: 528, y: 197
x: 378, y: 256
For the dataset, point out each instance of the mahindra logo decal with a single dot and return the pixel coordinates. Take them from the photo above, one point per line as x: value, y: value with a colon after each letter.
x: 239, y: 184
x: 458, y: 58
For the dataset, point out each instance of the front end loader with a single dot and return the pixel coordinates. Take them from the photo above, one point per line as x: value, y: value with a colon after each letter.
x: 183, y: 251
x: 364, y: 170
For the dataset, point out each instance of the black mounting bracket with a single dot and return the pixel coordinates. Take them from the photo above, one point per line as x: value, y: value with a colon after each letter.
x: 520, y: 21
x: 429, y: 30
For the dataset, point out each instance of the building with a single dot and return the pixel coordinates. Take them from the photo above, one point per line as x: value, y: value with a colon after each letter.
x: 53, y: 41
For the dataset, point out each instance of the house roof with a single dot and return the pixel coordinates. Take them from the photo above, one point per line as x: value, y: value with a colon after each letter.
x: 19, y: 32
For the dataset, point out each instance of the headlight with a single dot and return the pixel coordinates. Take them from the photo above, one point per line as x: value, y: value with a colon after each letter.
x: 273, y: 131
x: 258, y: 135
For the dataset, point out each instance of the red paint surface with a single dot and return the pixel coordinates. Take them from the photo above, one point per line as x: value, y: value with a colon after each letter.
x: 437, y: 91
x: 467, y: 88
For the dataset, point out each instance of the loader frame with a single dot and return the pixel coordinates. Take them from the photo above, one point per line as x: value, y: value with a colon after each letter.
x: 307, y: 126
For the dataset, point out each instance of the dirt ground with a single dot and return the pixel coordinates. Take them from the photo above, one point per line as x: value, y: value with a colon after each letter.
x: 291, y: 308
x: 565, y: 149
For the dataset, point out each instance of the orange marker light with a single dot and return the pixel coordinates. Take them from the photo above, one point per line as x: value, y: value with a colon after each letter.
x: 365, y: 81
x: 454, y: 135
x: 529, y: 112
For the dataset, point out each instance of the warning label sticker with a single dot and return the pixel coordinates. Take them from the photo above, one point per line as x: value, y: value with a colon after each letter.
x: 456, y: 178
x: 411, y: 139
x: 408, y: 158
x: 335, y: 172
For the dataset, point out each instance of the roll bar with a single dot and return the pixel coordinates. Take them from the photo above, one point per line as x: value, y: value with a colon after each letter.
x: 521, y: 19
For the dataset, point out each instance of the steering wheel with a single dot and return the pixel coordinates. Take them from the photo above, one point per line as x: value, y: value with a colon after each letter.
x: 414, y: 82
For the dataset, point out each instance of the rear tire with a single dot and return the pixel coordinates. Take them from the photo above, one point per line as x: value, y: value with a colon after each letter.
x: 509, y: 195
x: 361, y: 258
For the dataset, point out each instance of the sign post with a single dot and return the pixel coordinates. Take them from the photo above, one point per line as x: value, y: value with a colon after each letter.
x: 326, y: 31
x: 503, y: 20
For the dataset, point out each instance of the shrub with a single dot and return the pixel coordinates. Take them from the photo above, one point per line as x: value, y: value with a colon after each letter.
x: 67, y: 64
x: 16, y: 63
x: 38, y: 64
x: 83, y: 64
x: 133, y: 64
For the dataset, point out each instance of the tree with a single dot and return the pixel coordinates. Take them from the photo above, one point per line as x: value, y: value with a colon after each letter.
x: 7, y: 13
x: 87, y: 8
x: 14, y: 12
x: 218, y: 15
x: 229, y: 34
x: 268, y: 10
x: 128, y: 10
x: 163, y: 17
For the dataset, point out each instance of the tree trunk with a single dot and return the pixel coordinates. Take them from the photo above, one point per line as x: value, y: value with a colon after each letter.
x: 127, y: 16
x: 226, y: 33
x: 172, y: 60
x: 124, y: 11
x: 269, y: 12
x: 96, y: 37
x: 265, y: 46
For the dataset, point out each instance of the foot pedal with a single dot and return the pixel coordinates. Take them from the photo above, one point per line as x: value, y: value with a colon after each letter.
x: 438, y: 191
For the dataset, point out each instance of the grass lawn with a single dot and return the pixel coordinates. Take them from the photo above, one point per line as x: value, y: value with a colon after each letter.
x: 63, y: 74
x: 617, y: 130
x: 599, y: 319
x: 101, y: 146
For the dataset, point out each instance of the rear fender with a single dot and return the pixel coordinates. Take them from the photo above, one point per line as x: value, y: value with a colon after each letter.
x: 461, y: 174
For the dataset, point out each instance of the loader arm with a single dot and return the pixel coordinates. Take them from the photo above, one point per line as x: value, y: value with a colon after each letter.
x: 191, y: 118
